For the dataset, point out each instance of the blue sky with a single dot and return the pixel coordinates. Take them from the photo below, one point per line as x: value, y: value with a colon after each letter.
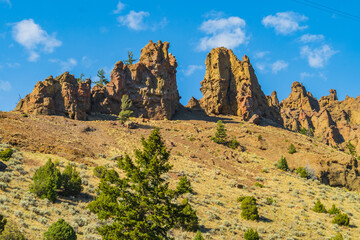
x: 286, y: 41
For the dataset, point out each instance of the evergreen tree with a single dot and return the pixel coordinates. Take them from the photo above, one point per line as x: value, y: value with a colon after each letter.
x: 198, y: 236
x: 71, y: 181
x: 141, y: 205
x: 333, y: 210
x: 319, y: 207
x: 220, y: 135
x: 351, y: 148
x: 130, y: 59
x: 46, y: 180
x: 282, y: 164
x: 102, y: 79
x: 6, y: 154
x: 60, y: 230
x: 251, y: 234
x: 3, y: 222
x: 249, y: 209
x: 292, y: 149
x: 125, y: 109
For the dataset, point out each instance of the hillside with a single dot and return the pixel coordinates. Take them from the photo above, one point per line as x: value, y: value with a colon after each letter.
x: 219, y: 174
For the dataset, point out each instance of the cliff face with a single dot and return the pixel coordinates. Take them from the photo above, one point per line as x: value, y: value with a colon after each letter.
x: 150, y: 84
x: 63, y: 95
x: 231, y: 87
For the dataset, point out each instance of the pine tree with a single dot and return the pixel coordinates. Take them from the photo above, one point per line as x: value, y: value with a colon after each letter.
x: 319, y: 207
x: 282, y: 164
x: 47, y: 179
x: 141, y: 205
x: 71, y: 181
x: 125, y: 109
x: 198, y: 236
x: 220, y: 135
x: 3, y: 222
x: 130, y: 59
x: 251, y: 234
x: 102, y: 79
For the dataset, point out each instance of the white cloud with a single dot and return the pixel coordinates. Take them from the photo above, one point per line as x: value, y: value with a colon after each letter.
x: 285, y: 22
x: 134, y: 20
x: 260, y: 66
x: 31, y: 36
x: 224, y: 32
x: 262, y: 54
x: 119, y: 7
x: 304, y: 75
x: 5, y: 86
x: 306, y: 38
x: 191, y: 69
x: 67, y: 65
x: 278, y: 66
x: 317, y: 57
x: 13, y: 65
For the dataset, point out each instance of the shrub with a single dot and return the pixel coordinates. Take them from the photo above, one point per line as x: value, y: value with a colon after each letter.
x: 259, y: 185
x: 251, y: 234
x: 351, y: 148
x: 46, y: 180
x: 269, y: 201
x: 6, y: 154
x: 319, y: 207
x: 125, y: 112
x: 60, y: 230
x: 198, y: 236
x: 71, y: 181
x: 292, y: 149
x: 233, y: 144
x: 12, y: 232
x: 338, y: 236
x: 282, y: 164
x: 220, y: 135
x: 3, y: 222
x: 259, y: 137
x: 342, y: 219
x: 100, y: 171
x: 249, y: 209
x: 333, y: 210
x: 302, y: 171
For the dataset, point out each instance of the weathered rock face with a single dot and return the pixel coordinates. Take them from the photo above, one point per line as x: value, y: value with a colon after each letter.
x: 231, y: 87
x: 63, y: 95
x: 150, y: 84
x: 194, y: 104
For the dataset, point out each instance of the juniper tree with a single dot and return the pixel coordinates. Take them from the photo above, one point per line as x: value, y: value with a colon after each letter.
x: 47, y: 179
x: 141, y: 205
x: 71, y: 181
x: 60, y: 230
x: 3, y: 222
x: 102, y: 79
x: 220, y: 135
x: 125, y: 112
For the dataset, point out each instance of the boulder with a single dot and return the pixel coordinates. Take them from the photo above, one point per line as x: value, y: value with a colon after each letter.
x: 150, y: 84
x: 62, y: 95
x: 231, y: 87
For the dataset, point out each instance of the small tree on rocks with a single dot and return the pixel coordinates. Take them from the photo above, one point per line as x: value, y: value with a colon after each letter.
x: 102, y: 79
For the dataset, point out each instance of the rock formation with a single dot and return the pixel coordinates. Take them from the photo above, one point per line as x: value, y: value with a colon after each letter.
x: 231, y: 87
x: 194, y: 104
x: 150, y: 84
x: 63, y: 95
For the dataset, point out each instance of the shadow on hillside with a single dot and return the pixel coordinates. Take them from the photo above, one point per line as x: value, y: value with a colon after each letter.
x: 186, y: 114
x: 265, y: 219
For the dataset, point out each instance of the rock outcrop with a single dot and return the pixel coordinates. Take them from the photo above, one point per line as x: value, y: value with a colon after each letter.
x: 62, y: 95
x: 150, y: 84
x: 194, y: 105
x: 231, y: 87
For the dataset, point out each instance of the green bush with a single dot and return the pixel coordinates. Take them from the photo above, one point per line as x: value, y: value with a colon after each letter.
x: 333, y: 210
x: 220, y: 135
x: 319, y: 207
x: 60, y: 230
x: 6, y: 154
x: 302, y: 171
x: 251, y: 234
x: 249, y: 209
x: 3, y: 222
x: 233, y: 144
x: 100, y: 171
x: 292, y: 149
x: 282, y: 164
x: 125, y: 112
x: 198, y: 236
x: 338, y: 236
x: 269, y: 201
x: 259, y: 185
x: 259, y: 137
x: 12, y: 232
x: 71, y: 181
x: 342, y: 219
x: 46, y: 180
x: 351, y: 148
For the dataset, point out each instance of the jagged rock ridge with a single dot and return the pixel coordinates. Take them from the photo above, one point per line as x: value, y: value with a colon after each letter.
x: 231, y: 87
